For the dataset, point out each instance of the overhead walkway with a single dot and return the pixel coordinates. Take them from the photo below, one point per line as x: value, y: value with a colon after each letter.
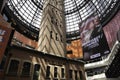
x: 107, y: 61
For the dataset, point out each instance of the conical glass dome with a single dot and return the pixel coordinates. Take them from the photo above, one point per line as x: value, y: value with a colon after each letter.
x: 29, y: 12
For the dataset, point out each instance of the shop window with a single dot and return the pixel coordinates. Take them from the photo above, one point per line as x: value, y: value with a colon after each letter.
x: 62, y: 72
x: 2, y: 64
x: 76, y: 77
x: 70, y: 74
x: 13, y: 67
x: 48, y: 72
x: 55, y: 72
x: 36, y: 72
x: 26, y: 69
x: 80, y: 74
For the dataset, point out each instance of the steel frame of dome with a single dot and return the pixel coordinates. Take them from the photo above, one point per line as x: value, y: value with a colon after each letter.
x: 26, y: 14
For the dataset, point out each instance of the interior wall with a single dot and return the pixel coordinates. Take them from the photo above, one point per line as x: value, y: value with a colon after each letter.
x: 111, y: 30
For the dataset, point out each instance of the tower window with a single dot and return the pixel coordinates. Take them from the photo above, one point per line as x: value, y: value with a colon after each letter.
x: 60, y: 25
x: 56, y: 36
x: 61, y: 38
x: 51, y: 34
x: 56, y: 3
x: 56, y: 22
x: 52, y: 19
x: 56, y: 11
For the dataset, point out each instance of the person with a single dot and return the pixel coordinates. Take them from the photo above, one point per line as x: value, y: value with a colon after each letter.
x: 88, y: 27
x: 36, y: 75
x: 89, y: 30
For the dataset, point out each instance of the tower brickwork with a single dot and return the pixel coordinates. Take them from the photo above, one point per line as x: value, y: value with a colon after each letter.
x: 52, y: 36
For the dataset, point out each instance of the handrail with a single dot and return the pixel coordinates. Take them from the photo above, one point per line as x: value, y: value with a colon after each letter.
x: 106, y: 61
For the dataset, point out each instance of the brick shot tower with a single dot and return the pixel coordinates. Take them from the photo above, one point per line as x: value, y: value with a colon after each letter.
x: 52, y: 36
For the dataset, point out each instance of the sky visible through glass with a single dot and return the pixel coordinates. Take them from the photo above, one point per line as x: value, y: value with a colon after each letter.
x: 76, y: 11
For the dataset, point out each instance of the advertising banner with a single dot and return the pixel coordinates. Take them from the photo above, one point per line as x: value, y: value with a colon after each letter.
x: 112, y: 29
x: 94, y: 42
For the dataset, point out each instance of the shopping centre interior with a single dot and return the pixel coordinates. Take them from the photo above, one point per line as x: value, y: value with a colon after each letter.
x: 59, y: 39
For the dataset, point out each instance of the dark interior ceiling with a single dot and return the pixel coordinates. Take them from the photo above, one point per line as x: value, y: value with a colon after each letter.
x: 26, y: 15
